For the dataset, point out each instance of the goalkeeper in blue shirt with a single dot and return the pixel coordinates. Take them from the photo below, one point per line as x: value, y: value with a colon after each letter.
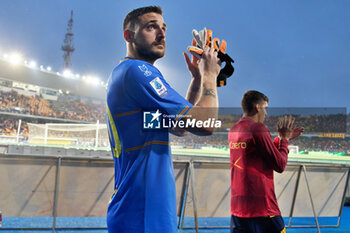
x: 144, y: 197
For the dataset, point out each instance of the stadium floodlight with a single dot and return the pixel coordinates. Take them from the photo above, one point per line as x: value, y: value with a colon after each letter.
x: 67, y: 73
x: 60, y: 91
x: 32, y: 64
x: 5, y: 55
x: 92, y: 80
x: 67, y: 92
x: 48, y: 68
x: 41, y: 67
x: 15, y: 58
x: 77, y: 75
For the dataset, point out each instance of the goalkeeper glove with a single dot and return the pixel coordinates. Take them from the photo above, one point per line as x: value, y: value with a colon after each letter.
x: 204, y: 39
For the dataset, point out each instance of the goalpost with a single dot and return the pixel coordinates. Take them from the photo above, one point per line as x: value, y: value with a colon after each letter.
x: 293, y: 149
x: 84, y: 135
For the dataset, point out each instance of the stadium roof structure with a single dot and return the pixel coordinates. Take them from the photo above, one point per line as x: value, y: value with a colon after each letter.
x: 52, y: 80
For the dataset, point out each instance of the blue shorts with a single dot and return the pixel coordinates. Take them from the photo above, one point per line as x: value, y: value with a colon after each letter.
x: 257, y: 225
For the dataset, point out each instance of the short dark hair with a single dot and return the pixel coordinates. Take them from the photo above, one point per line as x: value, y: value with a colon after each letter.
x: 133, y: 16
x: 250, y: 99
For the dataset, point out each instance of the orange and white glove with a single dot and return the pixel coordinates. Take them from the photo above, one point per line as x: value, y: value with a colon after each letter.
x: 204, y: 39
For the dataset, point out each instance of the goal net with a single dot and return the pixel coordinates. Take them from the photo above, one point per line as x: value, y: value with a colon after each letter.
x: 293, y: 149
x: 82, y: 135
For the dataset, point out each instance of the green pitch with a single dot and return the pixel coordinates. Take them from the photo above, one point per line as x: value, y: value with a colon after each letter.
x: 311, y: 157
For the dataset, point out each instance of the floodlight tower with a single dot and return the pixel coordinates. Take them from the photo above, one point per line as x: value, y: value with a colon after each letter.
x: 67, y: 46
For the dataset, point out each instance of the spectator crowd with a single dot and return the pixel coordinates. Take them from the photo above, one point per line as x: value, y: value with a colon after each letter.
x: 75, y: 108
x: 65, y: 107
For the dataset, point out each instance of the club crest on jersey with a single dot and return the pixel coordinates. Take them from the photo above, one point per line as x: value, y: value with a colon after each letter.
x: 145, y: 70
x: 159, y: 87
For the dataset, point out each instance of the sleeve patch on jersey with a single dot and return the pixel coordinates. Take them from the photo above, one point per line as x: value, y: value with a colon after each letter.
x: 159, y: 87
x: 145, y: 70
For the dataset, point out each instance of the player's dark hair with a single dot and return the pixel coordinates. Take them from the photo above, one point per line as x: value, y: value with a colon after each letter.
x: 133, y: 16
x: 250, y: 99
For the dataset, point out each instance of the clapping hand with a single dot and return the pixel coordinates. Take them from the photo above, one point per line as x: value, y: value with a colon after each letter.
x: 287, y: 128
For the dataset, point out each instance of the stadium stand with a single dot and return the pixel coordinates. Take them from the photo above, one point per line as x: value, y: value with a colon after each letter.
x: 82, y: 109
x: 66, y: 106
x: 49, y: 81
x: 39, y: 97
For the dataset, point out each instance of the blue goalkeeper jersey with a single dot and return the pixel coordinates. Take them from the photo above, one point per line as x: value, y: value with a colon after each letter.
x: 144, y: 199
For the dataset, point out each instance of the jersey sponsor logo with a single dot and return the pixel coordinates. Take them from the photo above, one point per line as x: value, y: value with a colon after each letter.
x: 151, y: 119
x: 159, y: 87
x: 238, y: 145
x: 145, y: 70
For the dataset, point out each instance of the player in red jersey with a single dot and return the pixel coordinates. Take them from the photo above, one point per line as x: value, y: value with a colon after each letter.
x: 254, y: 158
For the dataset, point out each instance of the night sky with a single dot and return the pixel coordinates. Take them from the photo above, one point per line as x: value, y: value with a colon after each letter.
x: 296, y: 52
